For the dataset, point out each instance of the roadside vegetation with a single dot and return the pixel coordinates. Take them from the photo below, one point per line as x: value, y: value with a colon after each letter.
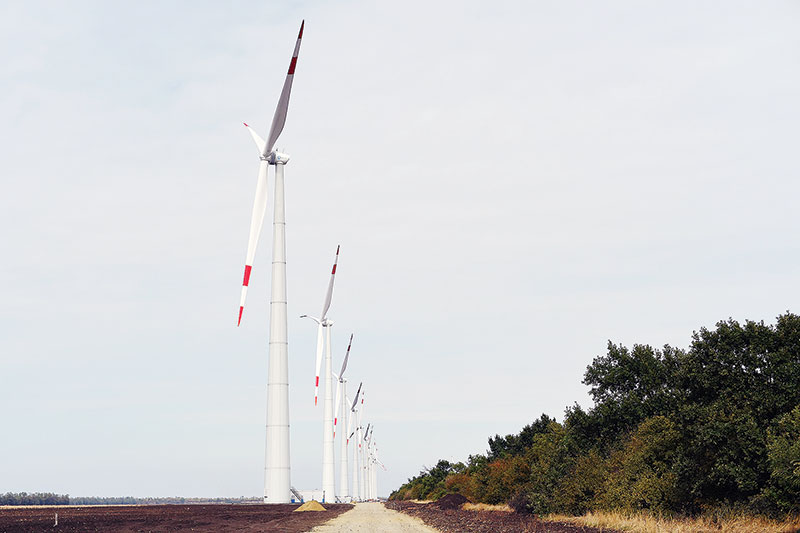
x: 711, y: 522
x: 710, y: 432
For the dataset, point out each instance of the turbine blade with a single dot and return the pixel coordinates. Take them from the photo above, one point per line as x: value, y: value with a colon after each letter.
x: 259, y: 208
x: 260, y: 144
x: 329, y: 295
x: 318, y: 363
x: 337, y: 404
x: 346, y: 357
x: 279, y: 119
x: 350, y: 430
x: 357, y: 393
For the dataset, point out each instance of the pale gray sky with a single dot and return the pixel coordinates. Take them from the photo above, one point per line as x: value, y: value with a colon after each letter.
x: 512, y: 184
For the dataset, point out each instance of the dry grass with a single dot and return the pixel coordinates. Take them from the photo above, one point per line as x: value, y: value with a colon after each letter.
x: 485, y: 507
x: 642, y: 523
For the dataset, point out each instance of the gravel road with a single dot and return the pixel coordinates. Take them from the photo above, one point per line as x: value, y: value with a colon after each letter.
x: 373, y: 517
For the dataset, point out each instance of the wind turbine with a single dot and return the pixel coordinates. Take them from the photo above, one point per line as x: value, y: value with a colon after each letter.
x: 367, y: 462
x: 277, y: 483
x: 328, y: 467
x: 362, y: 450
x: 356, y: 470
x: 376, y: 461
x: 341, y: 403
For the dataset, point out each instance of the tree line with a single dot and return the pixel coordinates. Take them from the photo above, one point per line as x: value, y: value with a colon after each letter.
x: 34, y: 498
x: 672, y: 431
x: 48, y: 498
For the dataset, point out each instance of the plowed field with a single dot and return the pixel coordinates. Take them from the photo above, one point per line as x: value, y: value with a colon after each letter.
x: 218, y: 518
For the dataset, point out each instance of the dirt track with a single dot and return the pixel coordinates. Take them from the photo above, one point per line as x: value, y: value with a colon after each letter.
x: 373, y: 517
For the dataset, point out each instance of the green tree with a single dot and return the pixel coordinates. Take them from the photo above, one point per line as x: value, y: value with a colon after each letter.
x: 783, y: 449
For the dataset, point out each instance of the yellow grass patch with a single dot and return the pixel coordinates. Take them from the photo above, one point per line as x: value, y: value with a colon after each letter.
x: 485, y: 507
x: 642, y: 523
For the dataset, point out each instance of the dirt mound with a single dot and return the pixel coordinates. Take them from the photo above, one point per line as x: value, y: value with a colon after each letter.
x: 312, y: 505
x: 451, y: 501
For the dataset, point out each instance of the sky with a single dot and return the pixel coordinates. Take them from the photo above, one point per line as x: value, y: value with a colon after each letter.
x: 512, y: 185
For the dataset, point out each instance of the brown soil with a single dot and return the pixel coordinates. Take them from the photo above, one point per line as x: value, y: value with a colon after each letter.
x: 460, y: 520
x: 219, y: 518
x: 450, y: 501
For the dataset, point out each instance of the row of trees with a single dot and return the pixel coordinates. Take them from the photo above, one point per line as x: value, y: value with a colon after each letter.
x: 48, y: 498
x: 671, y: 431
x: 128, y: 500
x: 35, y: 498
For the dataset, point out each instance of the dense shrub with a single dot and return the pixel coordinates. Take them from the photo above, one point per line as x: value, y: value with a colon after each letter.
x: 642, y: 474
x: 521, y: 502
x: 783, y: 450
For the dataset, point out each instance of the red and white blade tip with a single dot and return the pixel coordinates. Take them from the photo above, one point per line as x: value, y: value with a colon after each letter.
x: 335, y: 261
x: 245, y: 124
x: 245, y: 283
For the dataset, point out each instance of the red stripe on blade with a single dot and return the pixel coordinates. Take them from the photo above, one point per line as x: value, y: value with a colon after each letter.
x: 300, y: 35
x: 334, y: 269
x: 292, y: 65
x: 247, y: 269
x: 317, y: 383
x: 241, y: 308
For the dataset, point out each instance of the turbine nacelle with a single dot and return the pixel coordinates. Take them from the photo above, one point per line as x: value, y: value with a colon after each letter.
x: 325, y: 323
x: 276, y: 158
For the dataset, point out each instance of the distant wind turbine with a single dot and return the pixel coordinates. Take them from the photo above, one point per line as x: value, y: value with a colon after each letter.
x: 328, y: 466
x: 355, y: 419
x: 341, y: 403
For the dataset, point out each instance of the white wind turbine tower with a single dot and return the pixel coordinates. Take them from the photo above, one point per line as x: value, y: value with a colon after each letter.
x: 375, y: 471
x: 368, y: 464
x: 362, y: 448
x: 341, y: 403
x: 328, y: 466
x: 350, y: 434
x: 277, y: 467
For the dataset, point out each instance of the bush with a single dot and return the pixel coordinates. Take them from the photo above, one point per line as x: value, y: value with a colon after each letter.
x: 521, y: 503
x: 783, y: 450
x: 642, y: 473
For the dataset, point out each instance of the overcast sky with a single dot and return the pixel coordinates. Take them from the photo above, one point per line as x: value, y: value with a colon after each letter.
x: 512, y: 184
